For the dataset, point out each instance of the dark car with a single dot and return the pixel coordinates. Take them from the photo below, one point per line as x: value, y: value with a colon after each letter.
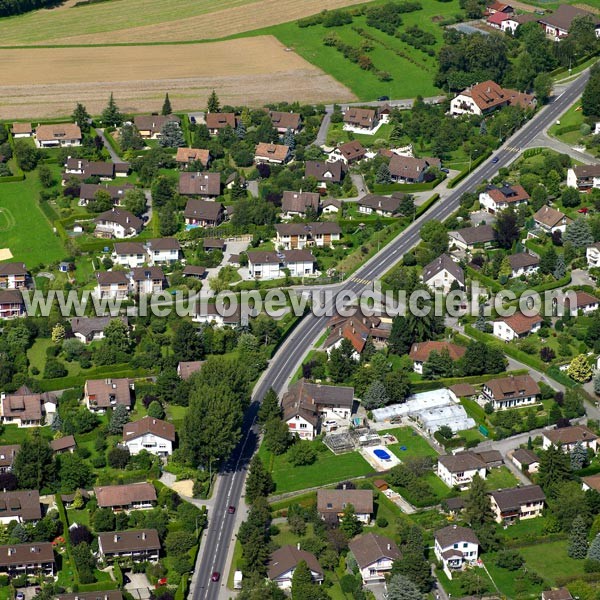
x: 383, y: 98
x: 231, y: 509
x: 215, y: 576
x: 495, y: 159
x: 444, y: 170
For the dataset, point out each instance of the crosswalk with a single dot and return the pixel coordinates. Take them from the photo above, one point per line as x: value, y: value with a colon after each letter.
x: 359, y: 280
x: 513, y: 149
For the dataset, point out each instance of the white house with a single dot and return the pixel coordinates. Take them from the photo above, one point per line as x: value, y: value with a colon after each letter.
x: 150, y: 434
x: 420, y: 351
x: 549, y: 219
x: 483, y: 98
x: 374, y: 555
x: 584, y: 177
x: 129, y: 254
x: 523, y: 263
x: 331, y: 504
x: 58, y: 135
x: 111, y: 284
x: 513, y: 391
x: 284, y: 561
x: 514, y: 504
x: 271, y: 265
x: 516, y: 326
x: 592, y: 254
x: 557, y: 23
x: 567, y: 438
x: 21, y: 130
x: 117, y: 223
x: 584, y: 302
x: 26, y: 409
x: 20, y: 506
x: 163, y: 251
x: 296, y: 236
x: 147, y: 280
x: 526, y: 460
x: 90, y: 329
x: 441, y: 273
x: 460, y: 468
x: 495, y: 199
x: 456, y: 547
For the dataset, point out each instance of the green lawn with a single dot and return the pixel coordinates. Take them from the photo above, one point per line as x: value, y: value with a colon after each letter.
x: 414, y: 443
x: 37, y: 353
x: 551, y: 561
x: 81, y: 517
x: 11, y: 434
x: 512, y: 584
x: 328, y: 468
x: 500, y: 478
x: 23, y: 227
x: 336, y: 135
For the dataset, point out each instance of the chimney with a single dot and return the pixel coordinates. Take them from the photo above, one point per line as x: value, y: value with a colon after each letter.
x: 343, y: 486
x: 389, y: 546
x: 115, y: 538
x: 298, y: 545
x: 143, y: 535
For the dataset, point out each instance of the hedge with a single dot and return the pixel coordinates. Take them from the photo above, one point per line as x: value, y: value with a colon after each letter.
x: 474, y: 164
x: 63, y: 517
x: 496, y: 286
x: 425, y: 386
x: 387, y: 188
x: 426, y: 205
x: 566, y: 129
x: 113, y: 371
x: 12, y: 178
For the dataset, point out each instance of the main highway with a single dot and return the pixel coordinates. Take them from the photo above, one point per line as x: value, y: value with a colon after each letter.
x: 221, y: 528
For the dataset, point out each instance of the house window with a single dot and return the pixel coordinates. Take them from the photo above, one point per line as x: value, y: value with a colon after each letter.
x: 455, y: 546
x: 303, y: 425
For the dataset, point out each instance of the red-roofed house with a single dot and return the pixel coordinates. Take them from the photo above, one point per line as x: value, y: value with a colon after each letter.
x: 486, y: 97
x: 516, y: 326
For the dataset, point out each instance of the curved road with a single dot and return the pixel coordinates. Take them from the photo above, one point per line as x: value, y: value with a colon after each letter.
x: 285, y: 362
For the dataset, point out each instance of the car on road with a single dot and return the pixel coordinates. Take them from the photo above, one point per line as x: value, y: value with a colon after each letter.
x: 215, y: 576
x: 495, y: 159
x: 383, y: 98
x: 444, y: 170
x: 231, y: 509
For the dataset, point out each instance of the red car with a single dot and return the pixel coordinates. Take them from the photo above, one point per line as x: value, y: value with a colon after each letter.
x: 215, y: 576
x: 231, y: 510
x: 584, y: 210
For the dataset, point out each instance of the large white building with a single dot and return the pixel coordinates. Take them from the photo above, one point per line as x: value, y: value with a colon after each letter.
x: 456, y: 548
x: 513, y: 391
x: 458, y: 470
x: 273, y: 265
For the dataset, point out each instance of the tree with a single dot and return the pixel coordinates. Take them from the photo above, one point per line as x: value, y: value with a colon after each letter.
x: 213, y: 104
x: 103, y: 519
x: 594, y: 551
x: 579, y: 457
x: 81, y: 117
x: 302, y: 583
x: 510, y: 560
x: 555, y: 468
x: 179, y: 542
x: 277, y: 436
x: 413, y: 563
x: 383, y: 174
x: 548, y: 261
x: 130, y: 138
x: 349, y: 522
x: 33, y: 465
x: 167, y: 216
x: 401, y: 588
x: 376, y: 396
x: 166, y: 107
x: 58, y: 333
x: 435, y: 235
x: 570, y: 197
x: 118, y: 419
x: 478, y: 510
x: 579, y: 234
x: 118, y: 457
x: 188, y: 343
x: 259, y: 482
x: 438, y: 364
x: 597, y: 384
x: 111, y: 114
x: 135, y: 202
x: 302, y: 453
x: 341, y: 362
x: 507, y: 228
x: 580, y: 369
x: 171, y: 135
x: 45, y: 176
x: 155, y: 410
x: 398, y: 386
x: 590, y: 100
x: 560, y: 269
x: 101, y: 202
x: 269, y: 408
x: 578, y: 539
x: 446, y: 432
x: 74, y: 472
x: 27, y: 156
x: 542, y: 87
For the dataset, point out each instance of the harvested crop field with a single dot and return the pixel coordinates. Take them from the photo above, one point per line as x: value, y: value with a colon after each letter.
x: 46, y: 82
x: 138, y: 21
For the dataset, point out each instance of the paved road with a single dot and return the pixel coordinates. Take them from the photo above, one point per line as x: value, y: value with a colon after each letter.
x: 545, y: 141
x: 113, y: 155
x: 285, y: 362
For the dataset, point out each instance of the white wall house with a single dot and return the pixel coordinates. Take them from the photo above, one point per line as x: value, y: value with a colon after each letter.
x: 129, y: 254
x: 456, y: 548
x: 513, y: 391
x: 460, y: 468
x: 375, y: 556
x: 592, y: 255
x: 567, y: 438
x: 150, y: 434
x: 516, y: 326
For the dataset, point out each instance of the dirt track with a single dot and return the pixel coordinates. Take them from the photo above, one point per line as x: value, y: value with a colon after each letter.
x: 47, y: 82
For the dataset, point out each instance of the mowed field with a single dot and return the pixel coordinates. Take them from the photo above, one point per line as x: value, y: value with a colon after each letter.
x: 46, y: 82
x: 136, y: 21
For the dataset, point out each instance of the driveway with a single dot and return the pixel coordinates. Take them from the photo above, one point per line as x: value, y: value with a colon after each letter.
x: 581, y: 277
x: 139, y: 586
x: 358, y: 181
x: 378, y: 590
x: 113, y: 155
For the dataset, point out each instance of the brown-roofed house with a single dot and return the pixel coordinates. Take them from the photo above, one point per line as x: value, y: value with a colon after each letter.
x: 133, y: 496
x: 163, y: 250
x: 325, y: 172
x: 558, y: 594
x: 111, y: 284
x: 63, y: 444
x: 58, y: 135
x: 148, y: 433
x: 331, y: 504
x: 442, y: 273
x: 202, y: 184
x: 357, y: 329
x: 580, y: 301
x: 375, y: 555
x: 118, y: 223
x: 567, y: 438
x: 21, y: 130
x: 100, y: 394
x: 13, y: 275
x: 584, y: 178
x: 26, y: 409
x: 456, y: 547
x: 286, y: 121
x: 88, y: 192
x: 516, y: 326
x: 7, y: 457
x: 271, y: 153
x: 203, y: 213
x: 463, y: 390
x: 523, y: 263
x: 472, y: 237
x: 514, y: 504
x: 216, y: 121
x: 185, y: 369
x: 101, y: 595
x: 284, y: 561
x: 485, y: 97
x: 361, y: 118
x: 591, y: 482
x: 12, y: 305
x: 420, y: 351
x: 33, y: 558
x: 22, y: 506
x: 511, y: 392
x: 407, y: 169
x: 526, y: 460
x: 557, y: 24
x: 381, y: 205
x: 151, y: 126
x: 187, y: 156
x: 550, y: 220
x: 139, y: 545
x: 194, y: 271
x: 147, y: 280
x: 495, y: 199
x: 458, y: 470
x: 350, y: 152
x: 299, y: 204
x: 292, y: 236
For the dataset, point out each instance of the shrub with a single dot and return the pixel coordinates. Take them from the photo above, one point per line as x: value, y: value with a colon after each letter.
x: 381, y: 522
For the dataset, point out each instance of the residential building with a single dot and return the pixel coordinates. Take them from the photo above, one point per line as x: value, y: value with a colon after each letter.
x: 200, y: 184
x: 558, y: 594
x: 511, y: 23
x: 442, y: 273
x: 34, y: 558
x: 526, y: 460
x: 495, y: 199
x: 549, y: 219
x: 331, y: 504
x: 592, y: 255
x: 220, y: 316
x: 140, y: 545
x: 118, y: 223
x: 101, y: 595
x: 523, y: 263
x: 331, y: 206
x: 284, y: 561
x: 12, y: 305
x: 361, y: 118
x: 458, y: 470
x: 286, y: 121
x: 516, y: 326
x: 580, y: 301
x: 483, y: 98
x: 456, y: 548
x: 496, y: 19
x: 584, y: 177
x: 305, y: 404
x: 218, y: 121
x: 462, y: 390
x: 26, y: 409
x: 185, y: 369
x: 515, y: 504
x: 194, y: 271
x: 273, y: 265
x: 147, y: 280
x: 111, y: 284
x: 13, y: 276
x: 90, y: 329
x: 277, y: 154
x: 375, y: 555
x: 210, y: 244
x: 151, y: 126
x: 299, y: 204
x: 21, y: 130
x: 420, y: 351
x: 132, y: 496
x: 192, y: 156
x: 296, y: 236
x: 567, y: 438
x: 129, y: 254
x: 88, y: 192
x: 202, y: 213
x: 349, y: 152
x: 591, y: 482
x: 470, y: 238
x: 22, y: 506
x: 150, y: 434
x: 500, y: 7
x: 100, y: 394
x: 163, y: 251
x: 513, y: 391
x: 357, y: 329
x: 325, y: 172
x: 63, y: 445
x: 7, y: 457
x: 407, y: 169
x: 58, y: 135
x: 82, y: 169
x: 381, y: 205
x: 557, y: 24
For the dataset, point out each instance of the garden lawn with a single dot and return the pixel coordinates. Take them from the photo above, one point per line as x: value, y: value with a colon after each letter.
x: 11, y: 434
x: 551, y: 561
x: 415, y: 445
x: 81, y: 517
x: 572, y: 118
x: 327, y: 469
x: 512, y: 584
x: 37, y: 353
x: 24, y: 228
x: 336, y: 134
x: 500, y: 478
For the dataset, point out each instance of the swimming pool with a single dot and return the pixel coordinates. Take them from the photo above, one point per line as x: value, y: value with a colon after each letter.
x: 382, y: 454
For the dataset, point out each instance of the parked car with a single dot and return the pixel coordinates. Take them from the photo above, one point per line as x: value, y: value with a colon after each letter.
x: 444, y: 170
x: 383, y: 98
